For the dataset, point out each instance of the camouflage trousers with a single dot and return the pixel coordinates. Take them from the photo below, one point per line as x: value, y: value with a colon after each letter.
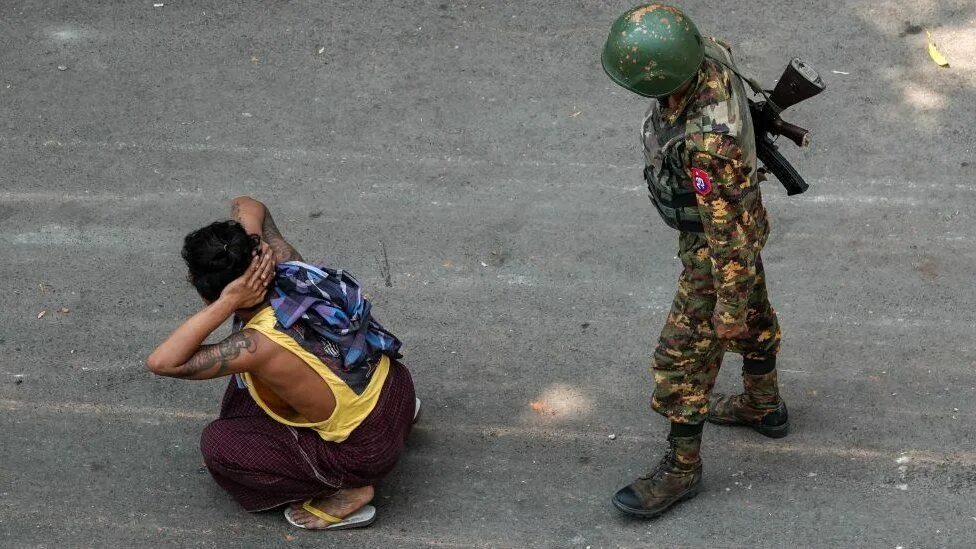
x: 689, y: 355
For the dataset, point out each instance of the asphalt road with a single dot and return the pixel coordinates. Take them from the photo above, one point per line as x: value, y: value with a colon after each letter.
x: 472, y: 165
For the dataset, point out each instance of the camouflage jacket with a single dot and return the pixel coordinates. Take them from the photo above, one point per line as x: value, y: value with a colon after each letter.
x: 721, y: 161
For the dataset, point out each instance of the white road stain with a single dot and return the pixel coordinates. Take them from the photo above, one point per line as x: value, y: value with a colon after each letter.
x: 536, y: 432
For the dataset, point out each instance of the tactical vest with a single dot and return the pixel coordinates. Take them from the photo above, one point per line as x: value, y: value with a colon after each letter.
x: 665, y: 154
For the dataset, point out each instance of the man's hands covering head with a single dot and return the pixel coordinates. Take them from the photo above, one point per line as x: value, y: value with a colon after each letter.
x: 250, y: 288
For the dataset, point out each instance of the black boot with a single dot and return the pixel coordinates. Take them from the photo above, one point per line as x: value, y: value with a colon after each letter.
x: 759, y: 406
x: 676, y: 478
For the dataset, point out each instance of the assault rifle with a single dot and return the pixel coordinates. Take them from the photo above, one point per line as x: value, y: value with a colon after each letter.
x: 798, y: 83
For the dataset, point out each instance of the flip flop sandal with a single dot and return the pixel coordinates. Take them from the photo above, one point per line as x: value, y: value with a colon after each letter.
x: 416, y: 410
x: 361, y: 518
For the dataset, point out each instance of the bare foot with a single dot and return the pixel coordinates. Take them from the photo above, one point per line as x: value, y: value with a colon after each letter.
x: 340, y: 505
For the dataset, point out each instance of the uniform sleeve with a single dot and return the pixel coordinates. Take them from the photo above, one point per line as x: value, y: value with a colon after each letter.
x: 726, y: 221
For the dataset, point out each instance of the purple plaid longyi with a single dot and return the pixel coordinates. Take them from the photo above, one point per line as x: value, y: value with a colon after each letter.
x: 264, y: 464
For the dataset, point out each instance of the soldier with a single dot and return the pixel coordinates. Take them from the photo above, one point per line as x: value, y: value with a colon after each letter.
x: 700, y: 167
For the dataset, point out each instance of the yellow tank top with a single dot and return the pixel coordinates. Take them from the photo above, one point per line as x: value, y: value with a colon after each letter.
x: 351, y: 409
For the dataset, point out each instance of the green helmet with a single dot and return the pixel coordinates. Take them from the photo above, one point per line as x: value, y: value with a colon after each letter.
x: 652, y: 50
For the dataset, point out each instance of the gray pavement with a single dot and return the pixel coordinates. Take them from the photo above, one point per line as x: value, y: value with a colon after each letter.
x: 481, y: 146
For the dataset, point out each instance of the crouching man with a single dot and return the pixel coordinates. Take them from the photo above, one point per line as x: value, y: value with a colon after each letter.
x: 318, y: 408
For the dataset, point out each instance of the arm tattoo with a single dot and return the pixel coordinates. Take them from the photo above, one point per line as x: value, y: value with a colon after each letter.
x: 273, y: 237
x: 235, y: 211
x: 220, y: 354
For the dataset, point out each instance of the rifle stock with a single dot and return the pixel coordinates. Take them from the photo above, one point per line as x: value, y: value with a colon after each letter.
x: 799, y: 82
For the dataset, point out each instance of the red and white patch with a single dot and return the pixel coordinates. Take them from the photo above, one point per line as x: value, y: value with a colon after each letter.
x: 701, y: 181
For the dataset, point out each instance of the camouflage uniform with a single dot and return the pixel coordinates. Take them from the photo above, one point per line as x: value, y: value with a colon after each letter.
x: 723, y: 280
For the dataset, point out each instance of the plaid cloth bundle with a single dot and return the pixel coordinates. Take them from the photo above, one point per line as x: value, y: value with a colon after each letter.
x: 331, y: 304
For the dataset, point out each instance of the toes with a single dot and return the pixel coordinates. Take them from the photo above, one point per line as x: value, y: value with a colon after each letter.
x: 308, y: 520
x: 299, y: 515
x: 311, y: 522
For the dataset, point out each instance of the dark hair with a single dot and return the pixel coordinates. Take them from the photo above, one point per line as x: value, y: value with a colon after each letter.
x: 216, y: 255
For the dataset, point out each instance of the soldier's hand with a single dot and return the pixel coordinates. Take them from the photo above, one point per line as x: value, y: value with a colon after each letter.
x: 731, y: 331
